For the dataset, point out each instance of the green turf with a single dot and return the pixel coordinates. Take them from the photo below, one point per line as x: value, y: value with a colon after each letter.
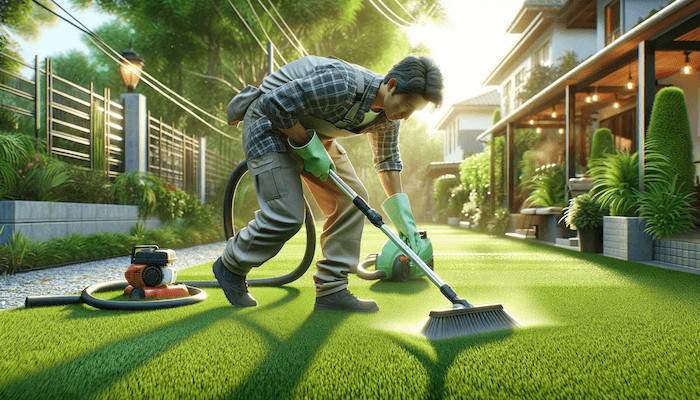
x: 592, y: 327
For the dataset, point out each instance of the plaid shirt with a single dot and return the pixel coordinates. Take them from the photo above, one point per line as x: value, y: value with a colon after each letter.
x: 327, y: 93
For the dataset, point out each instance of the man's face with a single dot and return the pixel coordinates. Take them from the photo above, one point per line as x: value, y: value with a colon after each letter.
x: 401, y: 106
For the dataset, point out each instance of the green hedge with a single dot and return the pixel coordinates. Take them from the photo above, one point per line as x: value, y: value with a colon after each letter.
x: 669, y: 133
x: 602, y: 144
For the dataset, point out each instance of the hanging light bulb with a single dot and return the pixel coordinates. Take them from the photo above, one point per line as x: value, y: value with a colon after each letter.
x: 616, y: 103
x: 687, y: 69
x: 531, y: 122
x: 588, y: 97
x: 554, y: 113
x: 538, y: 130
x: 561, y: 131
x: 630, y: 82
x: 594, y: 98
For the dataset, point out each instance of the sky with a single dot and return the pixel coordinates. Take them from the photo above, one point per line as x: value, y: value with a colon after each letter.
x: 467, y: 47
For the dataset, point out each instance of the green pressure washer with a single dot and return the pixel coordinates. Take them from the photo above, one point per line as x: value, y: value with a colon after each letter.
x: 392, y: 264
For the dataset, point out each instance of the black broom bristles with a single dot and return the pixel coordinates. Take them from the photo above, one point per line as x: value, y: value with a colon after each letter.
x: 443, y: 324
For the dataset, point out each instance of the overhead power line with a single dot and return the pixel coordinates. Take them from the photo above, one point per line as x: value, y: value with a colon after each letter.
x: 284, y: 32
x: 250, y: 30
x: 276, y: 50
x: 101, y: 44
x: 381, y: 11
x: 291, y: 32
x: 405, y: 10
x: 395, y: 15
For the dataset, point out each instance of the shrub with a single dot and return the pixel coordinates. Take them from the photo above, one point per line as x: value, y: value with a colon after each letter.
x: 548, y: 186
x: 458, y: 196
x: 616, y: 183
x: 474, y: 175
x: 441, y: 193
x: 86, y: 186
x: 171, y: 202
x: 584, y: 213
x: 498, y: 223
x: 666, y: 205
x: 602, y: 144
x: 137, y: 189
x: 496, y: 116
x: 669, y: 133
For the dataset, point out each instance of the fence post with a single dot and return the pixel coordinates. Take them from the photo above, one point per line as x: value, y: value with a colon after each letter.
x: 135, y: 135
x: 202, y: 170
x: 37, y: 103
x: 105, y: 130
x: 47, y: 65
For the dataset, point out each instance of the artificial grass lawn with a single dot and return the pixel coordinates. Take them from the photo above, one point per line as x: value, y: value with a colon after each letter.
x: 591, y: 327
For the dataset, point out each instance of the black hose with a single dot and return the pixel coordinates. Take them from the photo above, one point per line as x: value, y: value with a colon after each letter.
x: 229, y: 230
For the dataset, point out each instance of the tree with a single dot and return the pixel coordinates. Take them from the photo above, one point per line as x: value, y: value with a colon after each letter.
x: 23, y: 18
x: 542, y: 76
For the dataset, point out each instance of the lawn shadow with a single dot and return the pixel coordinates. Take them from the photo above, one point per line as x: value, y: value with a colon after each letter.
x: 93, y: 372
x: 280, y: 371
x: 446, y: 351
x: 644, y: 275
x: 409, y: 287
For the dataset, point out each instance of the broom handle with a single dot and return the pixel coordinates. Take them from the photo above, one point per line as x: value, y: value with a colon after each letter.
x: 376, y: 219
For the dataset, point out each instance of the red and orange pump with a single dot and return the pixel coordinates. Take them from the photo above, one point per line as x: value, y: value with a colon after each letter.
x: 149, y: 276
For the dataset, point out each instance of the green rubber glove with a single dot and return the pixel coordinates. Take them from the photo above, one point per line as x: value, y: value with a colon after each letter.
x: 315, y: 156
x: 398, y: 209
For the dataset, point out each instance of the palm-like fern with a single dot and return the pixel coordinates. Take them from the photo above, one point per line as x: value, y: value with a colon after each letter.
x: 616, y: 183
x: 548, y: 187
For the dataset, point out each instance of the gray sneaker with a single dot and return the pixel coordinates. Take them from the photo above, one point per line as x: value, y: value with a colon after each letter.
x: 344, y: 300
x: 234, y: 286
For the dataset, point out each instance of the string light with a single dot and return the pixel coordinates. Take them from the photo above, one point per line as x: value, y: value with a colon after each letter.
x: 554, y: 113
x: 630, y: 82
x: 561, y: 131
x: 588, y: 97
x: 531, y: 122
x: 594, y: 98
x: 616, y: 104
x: 538, y: 130
x: 687, y: 68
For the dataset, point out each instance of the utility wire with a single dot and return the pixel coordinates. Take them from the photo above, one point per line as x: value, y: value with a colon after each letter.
x: 250, y: 30
x: 274, y: 47
x: 400, y: 25
x: 99, y: 45
x: 89, y: 32
x: 289, y: 39
x: 405, y: 10
x: 288, y: 28
x: 398, y: 17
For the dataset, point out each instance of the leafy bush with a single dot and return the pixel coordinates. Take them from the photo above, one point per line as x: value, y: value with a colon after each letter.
x: 474, y: 175
x: 137, y: 189
x: 498, y: 223
x: 458, y: 196
x: 616, y: 183
x: 548, y: 186
x: 441, y: 193
x: 666, y: 205
x: 170, y: 202
x: 584, y: 213
x: 602, y: 144
x: 86, y: 186
x: 669, y: 134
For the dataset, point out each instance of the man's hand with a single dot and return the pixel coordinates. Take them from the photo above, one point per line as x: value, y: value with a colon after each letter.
x: 399, y: 211
x: 297, y: 133
x: 316, y: 159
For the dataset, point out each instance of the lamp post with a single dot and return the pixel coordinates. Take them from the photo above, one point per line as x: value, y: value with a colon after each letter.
x: 130, y: 69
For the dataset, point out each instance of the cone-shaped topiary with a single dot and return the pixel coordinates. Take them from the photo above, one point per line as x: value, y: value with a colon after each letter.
x: 496, y: 116
x: 669, y: 134
x: 602, y: 144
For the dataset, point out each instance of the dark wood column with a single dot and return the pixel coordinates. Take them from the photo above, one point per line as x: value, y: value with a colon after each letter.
x: 510, y: 170
x: 492, y: 173
x: 646, y: 91
x: 570, y: 128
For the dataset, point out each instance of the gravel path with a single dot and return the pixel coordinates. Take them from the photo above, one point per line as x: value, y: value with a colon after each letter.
x: 74, y: 278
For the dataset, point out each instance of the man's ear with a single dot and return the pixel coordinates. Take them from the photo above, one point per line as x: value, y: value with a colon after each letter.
x: 391, y: 85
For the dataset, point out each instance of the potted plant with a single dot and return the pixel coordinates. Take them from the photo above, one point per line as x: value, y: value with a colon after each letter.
x: 585, y: 214
x: 616, y: 187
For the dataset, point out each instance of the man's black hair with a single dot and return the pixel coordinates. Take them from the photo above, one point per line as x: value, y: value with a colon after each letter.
x: 417, y: 75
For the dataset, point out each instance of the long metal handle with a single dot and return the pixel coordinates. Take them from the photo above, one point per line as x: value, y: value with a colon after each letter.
x: 377, y: 221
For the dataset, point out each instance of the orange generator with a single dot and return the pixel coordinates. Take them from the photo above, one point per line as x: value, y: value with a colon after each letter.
x: 149, y: 276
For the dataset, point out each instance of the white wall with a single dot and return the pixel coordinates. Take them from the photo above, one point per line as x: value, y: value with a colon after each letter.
x: 465, y: 120
x: 630, y: 12
x: 581, y: 41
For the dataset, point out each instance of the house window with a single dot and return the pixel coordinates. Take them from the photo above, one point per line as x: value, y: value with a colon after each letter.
x: 520, y: 78
x: 612, y: 21
x: 507, y: 90
x: 542, y: 56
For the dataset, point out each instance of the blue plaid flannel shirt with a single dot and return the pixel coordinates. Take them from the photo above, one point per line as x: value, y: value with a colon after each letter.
x: 327, y: 93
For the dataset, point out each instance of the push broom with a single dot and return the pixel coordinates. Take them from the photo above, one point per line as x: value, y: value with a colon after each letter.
x: 463, y: 318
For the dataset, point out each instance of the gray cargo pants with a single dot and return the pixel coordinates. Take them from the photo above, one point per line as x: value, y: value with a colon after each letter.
x: 277, y: 179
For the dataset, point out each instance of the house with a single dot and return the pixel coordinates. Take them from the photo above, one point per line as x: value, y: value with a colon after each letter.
x: 464, y: 122
x: 549, y: 29
x: 642, y: 46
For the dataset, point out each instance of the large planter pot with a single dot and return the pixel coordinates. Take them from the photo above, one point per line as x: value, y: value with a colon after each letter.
x: 624, y: 238
x: 44, y: 220
x: 590, y: 240
x: 579, y: 186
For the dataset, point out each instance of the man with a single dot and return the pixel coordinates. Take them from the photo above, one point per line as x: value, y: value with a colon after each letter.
x: 289, y: 130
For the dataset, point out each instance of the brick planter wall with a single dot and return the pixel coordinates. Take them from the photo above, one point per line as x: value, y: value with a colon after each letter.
x: 43, y: 220
x: 679, y: 252
x: 624, y: 238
